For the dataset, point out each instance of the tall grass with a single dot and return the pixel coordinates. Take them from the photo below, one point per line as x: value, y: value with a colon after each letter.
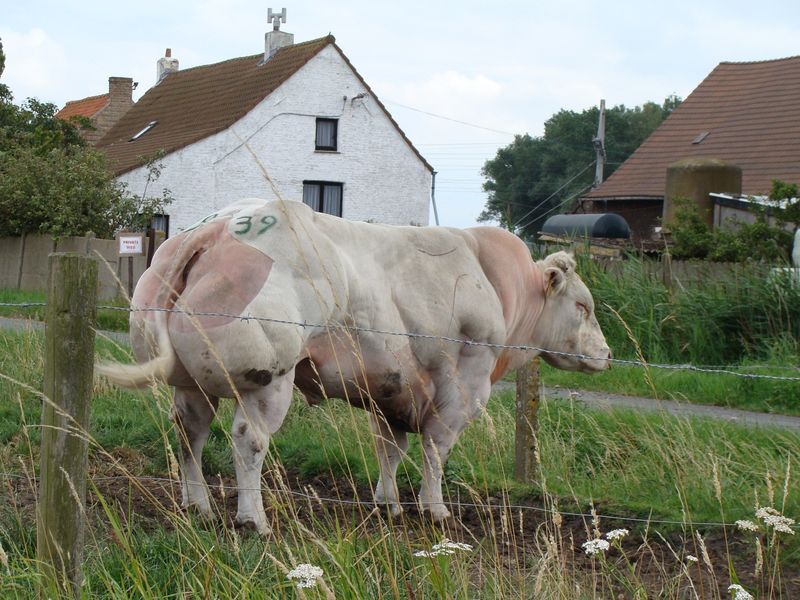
x: 722, y: 319
x: 525, y: 541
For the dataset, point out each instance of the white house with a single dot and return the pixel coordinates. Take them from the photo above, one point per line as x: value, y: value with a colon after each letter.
x: 296, y: 122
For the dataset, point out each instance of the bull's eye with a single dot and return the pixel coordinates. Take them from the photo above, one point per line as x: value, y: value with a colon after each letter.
x: 583, y: 308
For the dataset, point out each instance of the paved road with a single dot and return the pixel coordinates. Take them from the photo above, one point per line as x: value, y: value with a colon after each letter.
x: 597, y: 400
x: 605, y: 400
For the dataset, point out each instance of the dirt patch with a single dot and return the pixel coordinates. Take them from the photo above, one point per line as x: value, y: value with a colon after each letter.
x: 517, y: 534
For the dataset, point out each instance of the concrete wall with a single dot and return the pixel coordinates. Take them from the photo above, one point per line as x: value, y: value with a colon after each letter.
x: 24, y: 262
x: 383, y: 179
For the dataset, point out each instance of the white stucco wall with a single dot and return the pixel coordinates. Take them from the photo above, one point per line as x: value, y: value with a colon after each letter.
x: 383, y: 179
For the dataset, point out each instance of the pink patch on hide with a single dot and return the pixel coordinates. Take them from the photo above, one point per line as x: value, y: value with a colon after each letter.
x: 222, y: 278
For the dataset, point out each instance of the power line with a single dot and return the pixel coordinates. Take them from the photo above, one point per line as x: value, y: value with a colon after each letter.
x: 570, y: 180
x: 562, y: 203
x: 430, y: 114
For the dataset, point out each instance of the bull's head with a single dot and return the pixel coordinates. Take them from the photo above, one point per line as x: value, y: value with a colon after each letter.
x: 567, y: 323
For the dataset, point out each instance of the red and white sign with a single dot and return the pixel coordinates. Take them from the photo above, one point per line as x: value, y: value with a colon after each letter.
x: 131, y: 244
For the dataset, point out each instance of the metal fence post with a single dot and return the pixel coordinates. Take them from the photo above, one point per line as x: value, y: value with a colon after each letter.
x: 527, y: 422
x: 68, y: 373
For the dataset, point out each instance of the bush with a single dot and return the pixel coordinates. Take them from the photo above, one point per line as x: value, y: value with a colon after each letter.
x: 693, y: 239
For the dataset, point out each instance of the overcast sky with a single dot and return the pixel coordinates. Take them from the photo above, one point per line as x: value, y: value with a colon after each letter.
x: 503, y: 68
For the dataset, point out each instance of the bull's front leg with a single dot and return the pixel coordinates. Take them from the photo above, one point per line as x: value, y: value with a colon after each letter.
x: 258, y: 415
x: 437, y: 441
x: 193, y: 412
x: 459, y: 397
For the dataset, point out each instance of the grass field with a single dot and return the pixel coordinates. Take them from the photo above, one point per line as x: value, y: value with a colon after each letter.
x: 526, y: 539
x: 721, y: 390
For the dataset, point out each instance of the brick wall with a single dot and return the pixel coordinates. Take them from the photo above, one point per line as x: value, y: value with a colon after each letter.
x: 383, y: 179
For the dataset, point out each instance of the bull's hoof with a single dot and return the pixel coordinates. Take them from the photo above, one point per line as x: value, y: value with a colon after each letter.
x: 436, y: 512
x: 393, y: 509
x: 249, y: 524
x: 198, y: 510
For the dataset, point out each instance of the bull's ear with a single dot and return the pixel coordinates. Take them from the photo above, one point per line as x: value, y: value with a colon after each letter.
x: 555, y: 279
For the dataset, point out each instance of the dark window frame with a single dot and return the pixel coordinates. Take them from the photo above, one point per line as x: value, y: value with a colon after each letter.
x: 164, y: 218
x: 326, y: 148
x: 321, y: 185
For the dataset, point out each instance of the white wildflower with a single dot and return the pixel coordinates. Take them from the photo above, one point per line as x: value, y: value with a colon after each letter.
x: 616, y: 534
x: 446, y: 544
x: 443, y: 548
x: 772, y: 518
x: 746, y: 525
x: 739, y: 593
x: 592, y: 547
x: 690, y: 558
x: 305, y: 574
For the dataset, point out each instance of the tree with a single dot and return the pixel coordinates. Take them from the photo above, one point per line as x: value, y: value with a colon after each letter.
x: 51, y: 182
x: 532, y: 178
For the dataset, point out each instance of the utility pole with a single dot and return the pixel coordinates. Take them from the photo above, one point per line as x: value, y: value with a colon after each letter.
x: 599, y: 143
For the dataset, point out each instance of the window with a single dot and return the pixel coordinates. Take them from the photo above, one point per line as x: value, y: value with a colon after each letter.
x: 323, y: 196
x: 161, y: 223
x: 146, y: 128
x: 326, y: 134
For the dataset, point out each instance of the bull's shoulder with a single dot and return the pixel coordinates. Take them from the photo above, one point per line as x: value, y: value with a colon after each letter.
x: 512, y: 272
x: 500, y: 253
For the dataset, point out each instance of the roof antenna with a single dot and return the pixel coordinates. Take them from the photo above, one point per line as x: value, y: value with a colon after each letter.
x: 276, y: 18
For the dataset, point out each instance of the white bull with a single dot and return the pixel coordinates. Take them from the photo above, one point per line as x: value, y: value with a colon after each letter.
x: 283, y: 261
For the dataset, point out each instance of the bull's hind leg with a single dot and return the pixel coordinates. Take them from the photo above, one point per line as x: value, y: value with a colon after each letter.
x: 258, y: 415
x: 193, y: 413
x: 390, y: 446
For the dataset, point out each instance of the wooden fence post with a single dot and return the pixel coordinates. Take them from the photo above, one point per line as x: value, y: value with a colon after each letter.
x: 68, y: 373
x: 525, y: 467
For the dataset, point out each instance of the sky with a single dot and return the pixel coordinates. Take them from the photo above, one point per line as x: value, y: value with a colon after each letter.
x: 460, y: 78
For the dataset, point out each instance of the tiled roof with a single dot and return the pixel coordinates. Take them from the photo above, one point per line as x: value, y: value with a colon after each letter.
x: 88, y: 107
x: 192, y: 104
x: 751, y: 112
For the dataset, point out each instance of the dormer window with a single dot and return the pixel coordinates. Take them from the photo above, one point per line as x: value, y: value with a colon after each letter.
x: 146, y: 128
x: 326, y: 134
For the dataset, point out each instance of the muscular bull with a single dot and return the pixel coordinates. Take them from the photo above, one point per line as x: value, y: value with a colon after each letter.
x: 283, y: 261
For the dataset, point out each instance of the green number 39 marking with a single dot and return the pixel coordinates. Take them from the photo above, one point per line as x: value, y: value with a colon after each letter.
x: 246, y: 224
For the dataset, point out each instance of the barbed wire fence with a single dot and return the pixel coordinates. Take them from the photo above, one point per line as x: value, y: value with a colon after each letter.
x: 709, y: 369
x: 453, y: 504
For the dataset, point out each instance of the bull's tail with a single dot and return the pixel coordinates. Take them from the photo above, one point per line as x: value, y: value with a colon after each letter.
x: 144, y: 374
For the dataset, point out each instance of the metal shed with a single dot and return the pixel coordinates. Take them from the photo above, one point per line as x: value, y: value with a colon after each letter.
x: 601, y: 225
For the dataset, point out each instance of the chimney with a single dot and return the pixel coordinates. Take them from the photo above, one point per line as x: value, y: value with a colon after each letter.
x: 276, y: 39
x: 166, y: 65
x: 120, y: 90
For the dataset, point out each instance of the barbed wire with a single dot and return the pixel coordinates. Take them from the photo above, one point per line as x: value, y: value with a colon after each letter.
x: 452, y: 504
x: 727, y: 370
